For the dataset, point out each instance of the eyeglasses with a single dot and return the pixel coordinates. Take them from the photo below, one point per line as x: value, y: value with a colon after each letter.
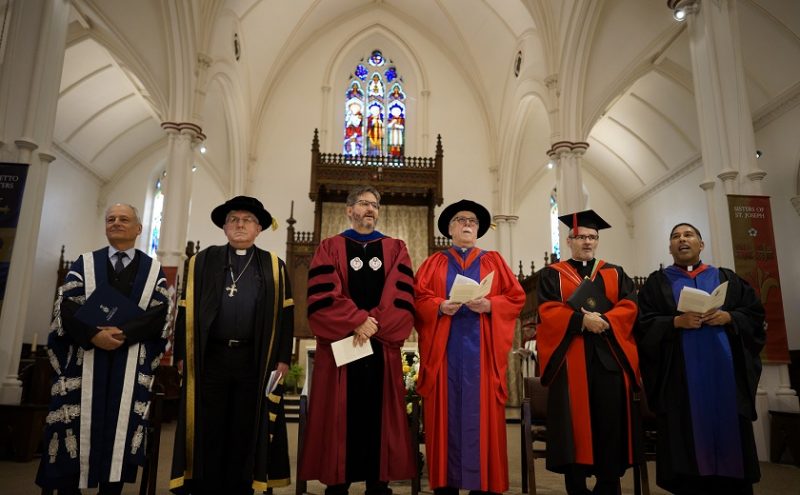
x: 364, y: 203
x: 233, y: 220
x: 465, y: 221
x: 582, y: 237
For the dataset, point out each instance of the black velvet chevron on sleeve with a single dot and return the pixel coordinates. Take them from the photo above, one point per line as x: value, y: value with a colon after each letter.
x: 406, y: 270
x: 317, y: 288
x: 321, y: 304
x: 320, y: 270
x: 405, y: 287
x: 403, y: 304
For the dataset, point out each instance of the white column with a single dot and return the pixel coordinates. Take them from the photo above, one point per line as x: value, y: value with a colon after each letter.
x: 424, y: 97
x: 723, y: 111
x: 505, y: 237
x: 568, y: 157
x: 29, y: 82
x: 182, y: 136
x: 325, y: 108
x: 728, y: 149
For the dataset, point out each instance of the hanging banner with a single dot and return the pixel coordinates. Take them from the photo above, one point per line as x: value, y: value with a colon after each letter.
x: 12, y: 185
x: 755, y: 260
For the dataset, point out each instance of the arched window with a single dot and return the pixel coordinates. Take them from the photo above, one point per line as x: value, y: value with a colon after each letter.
x: 155, y: 218
x: 554, y: 245
x: 374, y: 110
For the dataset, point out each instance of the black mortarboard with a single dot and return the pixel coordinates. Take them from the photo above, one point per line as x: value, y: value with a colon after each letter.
x: 484, y: 218
x: 244, y: 203
x: 586, y: 218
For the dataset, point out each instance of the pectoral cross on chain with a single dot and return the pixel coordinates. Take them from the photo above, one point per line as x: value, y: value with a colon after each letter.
x: 232, y: 290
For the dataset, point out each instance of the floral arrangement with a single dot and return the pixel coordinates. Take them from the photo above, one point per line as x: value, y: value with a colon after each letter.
x: 410, y: 372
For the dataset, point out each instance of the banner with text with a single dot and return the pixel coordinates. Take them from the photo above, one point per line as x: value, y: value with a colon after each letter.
x: 755, y: 260
x: 12, y: 185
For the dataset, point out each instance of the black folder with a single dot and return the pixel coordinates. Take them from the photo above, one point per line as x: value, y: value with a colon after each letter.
x: 589, y: 297
x: 107, y: 307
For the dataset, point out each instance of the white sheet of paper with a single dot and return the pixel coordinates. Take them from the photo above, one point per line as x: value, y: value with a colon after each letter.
x: 274, y: 378
x: 700, y: 301
x: 465, y: 289
x: 344, y: 352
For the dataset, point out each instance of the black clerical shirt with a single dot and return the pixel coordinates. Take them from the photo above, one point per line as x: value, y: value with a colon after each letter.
x: 236, y: 317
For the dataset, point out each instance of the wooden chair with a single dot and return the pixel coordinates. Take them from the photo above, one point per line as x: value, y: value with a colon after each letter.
x: 150, y: 470
x: 641, y: 477
x: 534, y: 429
x: 414, y: 425
x: 301, y: 486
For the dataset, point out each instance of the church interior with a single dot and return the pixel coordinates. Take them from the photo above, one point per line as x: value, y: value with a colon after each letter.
x: 650, y: 112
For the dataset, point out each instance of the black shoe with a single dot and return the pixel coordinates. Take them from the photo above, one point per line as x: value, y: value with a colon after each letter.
x: 378, y: 488
x: 337, y: 489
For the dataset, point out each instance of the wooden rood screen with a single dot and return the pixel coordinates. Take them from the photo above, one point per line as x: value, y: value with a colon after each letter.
x: 402, y: 181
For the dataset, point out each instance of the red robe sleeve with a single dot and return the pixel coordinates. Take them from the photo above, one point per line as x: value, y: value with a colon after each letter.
x: 558, y: 320
x: 622, y: 317
x: 507, y: 298
x: 395, y: 312
x: 434, y: 329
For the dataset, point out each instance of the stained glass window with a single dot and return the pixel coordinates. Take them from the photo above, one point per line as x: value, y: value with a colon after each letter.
x: 374, y: 110
x: 554, y: 244
x: 155, y: 219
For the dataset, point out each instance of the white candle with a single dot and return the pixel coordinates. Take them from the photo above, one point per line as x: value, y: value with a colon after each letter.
x: 33, y: 345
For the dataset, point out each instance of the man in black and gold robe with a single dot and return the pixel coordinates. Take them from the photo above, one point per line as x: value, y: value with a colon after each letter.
x: 236, y: 329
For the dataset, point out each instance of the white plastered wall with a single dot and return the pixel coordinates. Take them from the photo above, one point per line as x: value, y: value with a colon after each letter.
x: 292, y: 113
x: 681, y: 201
x: 69, y: 218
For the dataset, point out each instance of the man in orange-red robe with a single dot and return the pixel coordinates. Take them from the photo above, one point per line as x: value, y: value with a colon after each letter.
x: 590, y: 364
x: 464, y: 356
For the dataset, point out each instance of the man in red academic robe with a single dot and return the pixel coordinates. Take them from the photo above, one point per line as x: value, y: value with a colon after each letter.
x: 360, y: 284
x: 589, y: 362
x: 464, y: 356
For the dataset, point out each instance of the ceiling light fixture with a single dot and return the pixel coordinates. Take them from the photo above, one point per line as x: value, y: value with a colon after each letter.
x: 758, y: 154
x: 203, y: 149
x: 682, y: 8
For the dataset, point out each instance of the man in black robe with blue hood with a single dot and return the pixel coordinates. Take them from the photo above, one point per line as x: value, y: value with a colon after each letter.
x: 235, y: 330
x: 700, y: 372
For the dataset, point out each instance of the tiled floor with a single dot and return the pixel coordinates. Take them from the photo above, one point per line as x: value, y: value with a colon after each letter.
x: 17, y: 478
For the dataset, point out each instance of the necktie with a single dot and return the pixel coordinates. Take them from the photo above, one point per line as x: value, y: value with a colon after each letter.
x: 118, y: 265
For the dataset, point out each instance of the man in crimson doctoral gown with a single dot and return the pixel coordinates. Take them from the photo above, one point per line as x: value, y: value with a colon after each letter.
x: 464, y: 347
x: 701, y: 371
x: 360, y: 284
x: 589, y: 362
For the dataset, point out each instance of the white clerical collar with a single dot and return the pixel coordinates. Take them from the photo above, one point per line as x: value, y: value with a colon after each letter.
x: 241, y: 252
x: 582, y: 262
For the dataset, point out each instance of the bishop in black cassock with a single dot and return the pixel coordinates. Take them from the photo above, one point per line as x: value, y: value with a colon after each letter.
x: 235, y: 330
